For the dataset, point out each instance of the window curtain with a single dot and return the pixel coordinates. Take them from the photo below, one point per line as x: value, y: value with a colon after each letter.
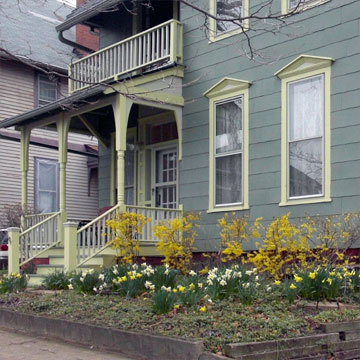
x: 306, y: 118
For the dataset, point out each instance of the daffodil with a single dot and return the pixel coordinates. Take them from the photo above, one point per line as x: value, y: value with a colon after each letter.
x: 277, y: 282
x: 292, y: 286
x: 202, y: 309
x: 312, y: 275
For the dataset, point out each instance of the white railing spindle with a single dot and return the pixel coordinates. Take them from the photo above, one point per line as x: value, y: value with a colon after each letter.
x: 137, y: 52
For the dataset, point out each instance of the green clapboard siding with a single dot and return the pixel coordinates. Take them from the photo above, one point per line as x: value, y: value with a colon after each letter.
x: 328, y: 30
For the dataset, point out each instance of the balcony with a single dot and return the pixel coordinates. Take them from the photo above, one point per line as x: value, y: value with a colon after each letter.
x: 147, y: 50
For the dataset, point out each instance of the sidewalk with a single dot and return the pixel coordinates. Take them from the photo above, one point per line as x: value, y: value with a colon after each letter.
x: 15, y: 346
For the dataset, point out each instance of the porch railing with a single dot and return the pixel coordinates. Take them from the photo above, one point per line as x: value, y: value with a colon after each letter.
x: 157, y: 45
x: 95, y: 236
x: 39, y: 238
x: 156, y: 215
x: 33, y: 219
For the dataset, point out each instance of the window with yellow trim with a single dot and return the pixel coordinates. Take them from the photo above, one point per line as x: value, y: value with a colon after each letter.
x: 228, y: 155
x: 229, y: 16
x: 305, y: 131
x: 291, y: 5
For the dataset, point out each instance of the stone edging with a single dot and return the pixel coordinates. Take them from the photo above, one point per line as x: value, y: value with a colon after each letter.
x: 142, y: 346
x: 341, y: 339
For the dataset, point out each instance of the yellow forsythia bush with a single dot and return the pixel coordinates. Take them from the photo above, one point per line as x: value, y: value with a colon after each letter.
x: 234, y: 231
x: 126, y: 228
x: 176, y: 240
x: 285, y: 247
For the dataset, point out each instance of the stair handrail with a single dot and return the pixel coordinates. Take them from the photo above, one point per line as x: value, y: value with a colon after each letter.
x: 98, y: 218
x: 33, y: 242
x: 91, y: 238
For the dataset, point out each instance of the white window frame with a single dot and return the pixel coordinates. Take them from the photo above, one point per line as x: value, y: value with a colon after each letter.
x: 44, y: 79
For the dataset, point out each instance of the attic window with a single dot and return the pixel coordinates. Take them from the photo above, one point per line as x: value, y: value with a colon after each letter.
x: 47, y: 90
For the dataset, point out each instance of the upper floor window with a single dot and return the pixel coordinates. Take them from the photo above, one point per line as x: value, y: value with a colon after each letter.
x: 47, y: 90
x: 228, y: 162
x: 305, y: 136
x: 46, y: 185
x: 229, y: 16
x: 290, y: 5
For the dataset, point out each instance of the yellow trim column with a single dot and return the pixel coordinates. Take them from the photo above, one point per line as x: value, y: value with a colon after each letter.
x: 121, y: 107
x: 24, y: 163
x: 62, y: 124
x: 14, y: 250
x: 70, y: 234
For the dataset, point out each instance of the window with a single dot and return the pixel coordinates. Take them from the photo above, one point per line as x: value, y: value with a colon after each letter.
x: 228, y: 11
x: 305, y: 168
x: 129, y: 170
x: 290, y: 5
x: 228, y: 163
x: 47, y: 90
x: 46, y: 185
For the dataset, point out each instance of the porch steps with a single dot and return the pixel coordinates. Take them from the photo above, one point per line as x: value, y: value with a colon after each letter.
x: 35, y: 280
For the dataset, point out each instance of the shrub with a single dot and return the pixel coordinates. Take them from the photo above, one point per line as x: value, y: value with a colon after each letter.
x: 13, y: 283
x: 285, y: 246
x: 126, y: 228
x: 177, y: 237
x: 58, y: 280
x: 234, y: 231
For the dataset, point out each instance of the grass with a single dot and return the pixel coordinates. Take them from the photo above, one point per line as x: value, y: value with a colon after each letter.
x: 223, y: 322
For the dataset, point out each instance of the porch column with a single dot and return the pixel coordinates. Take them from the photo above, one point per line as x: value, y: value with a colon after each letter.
x: 121, y: 107
x: 25, y: 133
x: 62, y: 125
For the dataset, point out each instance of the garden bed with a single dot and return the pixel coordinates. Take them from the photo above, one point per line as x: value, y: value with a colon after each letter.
x: 223, y: 322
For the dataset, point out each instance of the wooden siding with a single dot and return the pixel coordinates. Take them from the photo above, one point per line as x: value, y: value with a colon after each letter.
x: 330, y: 30
x: 16, y: 90
x: 17, y: 96
x: 79, y: 204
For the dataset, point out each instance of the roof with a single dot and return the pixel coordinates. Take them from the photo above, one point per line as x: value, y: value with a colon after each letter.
x: 89, y: 9
x: 55, y: 107
x: 27, y: 29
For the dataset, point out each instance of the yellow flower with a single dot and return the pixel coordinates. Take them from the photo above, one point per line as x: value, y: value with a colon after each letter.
x: 332, y: 273
x: 174, y: 291
x: 292, y: 286
x: 298, y: 278
x: 191, y: 286
x: 329, y: 280
x: 203, y: 309
x: 312, y: 275
x: 138, y: 275
x: 176, y: 306
x: 277, y: 282
x: 182, y: 288
x: 132, y: 277
x: 129, y: 273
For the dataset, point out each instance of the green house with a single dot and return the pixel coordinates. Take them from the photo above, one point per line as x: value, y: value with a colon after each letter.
x: 211, y: 106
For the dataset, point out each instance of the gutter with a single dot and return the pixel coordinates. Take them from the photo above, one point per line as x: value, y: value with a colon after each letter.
x: 80, y: 18
x: 73, y: 43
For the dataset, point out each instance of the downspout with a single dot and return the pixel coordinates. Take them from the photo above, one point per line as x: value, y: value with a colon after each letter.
x: 73, y: 43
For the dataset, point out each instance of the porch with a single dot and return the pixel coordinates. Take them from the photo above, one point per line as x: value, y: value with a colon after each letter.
x: 139, y: 132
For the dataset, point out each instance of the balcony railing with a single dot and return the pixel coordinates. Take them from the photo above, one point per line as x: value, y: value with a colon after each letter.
x: 156, y: 46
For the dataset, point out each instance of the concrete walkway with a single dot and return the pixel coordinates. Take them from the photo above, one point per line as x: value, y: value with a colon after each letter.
x: 16, y: 346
